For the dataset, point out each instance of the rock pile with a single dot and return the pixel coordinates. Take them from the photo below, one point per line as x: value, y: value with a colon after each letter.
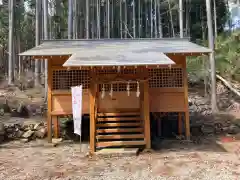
x: 22, y: 131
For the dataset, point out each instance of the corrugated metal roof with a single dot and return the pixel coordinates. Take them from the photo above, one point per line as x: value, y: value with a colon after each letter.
x: 118, y: 59
x: 96, y: 47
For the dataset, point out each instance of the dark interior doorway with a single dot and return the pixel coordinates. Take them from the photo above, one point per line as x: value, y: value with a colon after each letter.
x: 164, y: 125
x: 67, y: 129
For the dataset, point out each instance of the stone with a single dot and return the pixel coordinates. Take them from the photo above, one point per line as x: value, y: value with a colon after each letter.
x: 57, y: 141
x: 10, y: 129
x: 196, y: 130
x: 19, y: 134
x: 2, y: 129
x: 1, y: 112
x: 233, y: 129
x: 24, y: 140
x: 41, y: 133
x: 37, y: 126
x: 28, y: 134
x: 208, y: 129
x: 2, y: 138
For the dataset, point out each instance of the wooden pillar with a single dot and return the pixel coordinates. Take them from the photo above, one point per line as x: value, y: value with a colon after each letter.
x: 49, y: 101
x: 146, y: 115
x: 92, y: 100
x: 185, y: 83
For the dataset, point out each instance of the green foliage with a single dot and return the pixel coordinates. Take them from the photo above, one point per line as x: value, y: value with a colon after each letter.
x: 227, y: 56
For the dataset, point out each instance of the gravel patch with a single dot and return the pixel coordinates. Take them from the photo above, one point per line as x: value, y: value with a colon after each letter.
x: 35, y: 161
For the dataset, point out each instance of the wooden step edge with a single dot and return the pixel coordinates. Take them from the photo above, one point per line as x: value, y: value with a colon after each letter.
x: 120, y: 130
x: 119, y: 124
x: 119, y: 114
x: 121, y: 136
x: 104, y: 119
x: 120, y: 143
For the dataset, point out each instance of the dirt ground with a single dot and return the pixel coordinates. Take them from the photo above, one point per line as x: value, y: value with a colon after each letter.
x: 175, y: 160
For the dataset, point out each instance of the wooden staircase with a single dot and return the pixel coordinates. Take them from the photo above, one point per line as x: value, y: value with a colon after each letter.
x: 119, y: 130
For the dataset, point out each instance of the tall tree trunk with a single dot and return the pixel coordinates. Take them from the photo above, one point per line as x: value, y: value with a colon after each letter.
x: 108, y: 19
x: 181, y: 17
x: 87, y: 19
x: 70, y: 19
x: 215, y: 20
x: 125, y: 19
x: 160, y: 20
x: 37, y: 40
x: 19, y: 58
x: 10, y: 42
x: 187, y: 14
x: 151, y: 19
x: 139, y: 19
x: 120, y: 19
x: 155, y: 18
x: 171, y: 18
x: 45, y: 13
x: 75, y: 18
x: 98, y: 20
x: 212, y: 58
x: 134, y: 19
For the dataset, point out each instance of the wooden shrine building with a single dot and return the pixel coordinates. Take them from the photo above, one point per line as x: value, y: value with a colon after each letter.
x: 124, y: 80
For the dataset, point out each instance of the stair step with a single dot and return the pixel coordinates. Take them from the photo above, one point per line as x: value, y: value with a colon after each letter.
x: 119, y: 124
x: 120, y: 130
x: 120, y: 143
x: 122, y: 136
x: 102, y: 119
x: 120, y: 114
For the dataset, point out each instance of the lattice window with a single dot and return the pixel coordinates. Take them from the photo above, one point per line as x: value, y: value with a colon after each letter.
x: 165, y: 77
x: 65, y: 79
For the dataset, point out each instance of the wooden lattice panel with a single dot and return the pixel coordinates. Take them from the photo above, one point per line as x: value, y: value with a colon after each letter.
x: 65, y: 79
x: 165, y: 77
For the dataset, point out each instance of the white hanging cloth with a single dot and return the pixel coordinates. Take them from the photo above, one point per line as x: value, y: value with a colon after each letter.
x: 128, y: 88
x: 103, y: 91
x: 111, y: 91
x: 138, y: 90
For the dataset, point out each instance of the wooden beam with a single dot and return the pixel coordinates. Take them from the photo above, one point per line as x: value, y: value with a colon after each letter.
x: 121, y: 124
x: 49, y: 103
x: 120, y: 130
x: 146, y: 115
x: 187, y: 121
x: 121, y: 136
x: 114, y: 119
x: 92, y: 100
x: 120, y: 113
x: 120, y: 143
